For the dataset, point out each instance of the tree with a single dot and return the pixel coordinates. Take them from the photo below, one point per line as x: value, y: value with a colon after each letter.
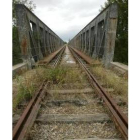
x: 15, y: 39
x: 121, y: 44
x: 27, y: 3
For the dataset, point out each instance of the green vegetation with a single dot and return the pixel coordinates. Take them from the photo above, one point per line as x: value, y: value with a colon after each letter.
x: 65, y: 42
x: 24, y: 86
x: 74, y: 76
x: 63, y: 75
x: 27, y: 3
x: 121, y: 46
x: 111, y: 80
x: 56, y: 75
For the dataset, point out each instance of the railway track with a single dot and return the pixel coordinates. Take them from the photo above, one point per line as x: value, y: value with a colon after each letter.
x: 27, y: 118
x: 120, y: 119
x: 71, y: 109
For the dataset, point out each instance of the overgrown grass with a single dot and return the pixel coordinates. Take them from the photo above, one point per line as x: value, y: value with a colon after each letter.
x: 25, y: 85
x: 56, y: 75
x: 74, y: 76
x: 63, y: 75
x: 111, y: 80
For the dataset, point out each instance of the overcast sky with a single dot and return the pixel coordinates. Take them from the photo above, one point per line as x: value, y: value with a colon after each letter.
x: 67, y: 17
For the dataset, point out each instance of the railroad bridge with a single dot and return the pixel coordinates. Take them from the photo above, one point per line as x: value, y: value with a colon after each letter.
x: 96, y: 39
x: 64, y: 99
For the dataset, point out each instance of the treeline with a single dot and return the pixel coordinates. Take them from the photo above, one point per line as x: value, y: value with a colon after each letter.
x: 121, y: 45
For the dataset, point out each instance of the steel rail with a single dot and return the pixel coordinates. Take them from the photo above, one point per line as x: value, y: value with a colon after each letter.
x: 119, y: 118
x: 49, y: 58
x: 58, y: 58
x: 28, y: 116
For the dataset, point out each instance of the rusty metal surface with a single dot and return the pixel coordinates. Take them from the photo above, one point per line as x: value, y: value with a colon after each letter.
x: 119, y: 118
x: 27, y: 118
x: 88, y: 59
x: 46, y: 60
x: 20, y: 124
x: 59, y: 57
x: 36, y: 39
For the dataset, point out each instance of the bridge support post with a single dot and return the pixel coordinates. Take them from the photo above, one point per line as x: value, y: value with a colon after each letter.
x: 24, y: 38
x: 110, y: 36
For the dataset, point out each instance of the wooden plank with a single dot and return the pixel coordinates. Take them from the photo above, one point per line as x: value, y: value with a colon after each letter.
x: 71, y: 91
x: 72, y: 118
x: 70, y: 101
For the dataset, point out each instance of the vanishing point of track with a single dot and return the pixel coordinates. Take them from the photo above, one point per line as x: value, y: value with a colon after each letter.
x: 29, y: 115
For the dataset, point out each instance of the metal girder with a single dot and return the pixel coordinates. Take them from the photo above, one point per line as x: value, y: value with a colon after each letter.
x: 36, y: 39
x: 97, y: 38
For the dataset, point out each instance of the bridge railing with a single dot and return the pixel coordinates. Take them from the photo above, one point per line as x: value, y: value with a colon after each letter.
x: 36, y: 39
x: 97, y: 38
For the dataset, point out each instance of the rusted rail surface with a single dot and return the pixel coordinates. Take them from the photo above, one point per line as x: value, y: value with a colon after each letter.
x: 30, y: 113
x: 59, y: 57
x: 21, y: 126
x: 47, y: 60
x: 119, y: 118
x: 88, y: 59
x: 27, y: 118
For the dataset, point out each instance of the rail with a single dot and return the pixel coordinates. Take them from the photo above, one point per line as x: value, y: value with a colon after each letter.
x: 27, y: 118
x: 119, y: 118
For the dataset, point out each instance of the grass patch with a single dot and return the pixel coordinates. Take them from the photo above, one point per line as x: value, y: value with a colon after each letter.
x: 74, y: 75
x: 66, y: 76
x: 25, y: 85
x: 63, y: 75
x: 111, y: 80
x: 56, y: 75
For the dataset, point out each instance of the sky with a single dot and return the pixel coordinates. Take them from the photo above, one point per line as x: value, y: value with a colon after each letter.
x: 67, y: 17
